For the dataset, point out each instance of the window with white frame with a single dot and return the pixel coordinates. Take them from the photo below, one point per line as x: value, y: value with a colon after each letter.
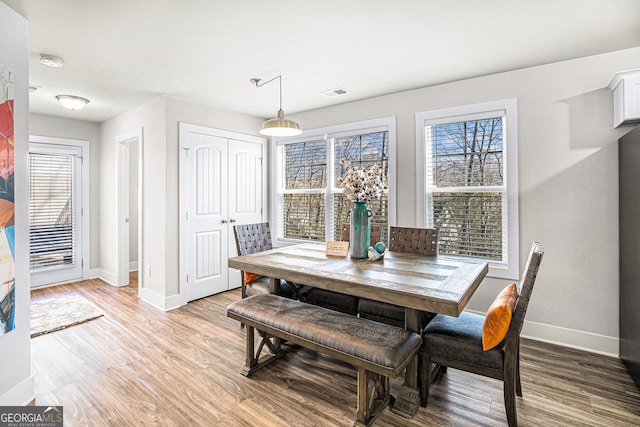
x: 309, y: 204
x: 467, y: 162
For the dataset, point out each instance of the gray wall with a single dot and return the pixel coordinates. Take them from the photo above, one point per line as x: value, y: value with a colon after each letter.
x: 568, y: 183
x: 57, y: 127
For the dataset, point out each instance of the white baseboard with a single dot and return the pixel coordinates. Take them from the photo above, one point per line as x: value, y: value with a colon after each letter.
x: 133, y: 266
x: 587, y: 341
x: 105, y: 276
x: 572, y: 338
x: 159, y: 301
x: 20, y: 395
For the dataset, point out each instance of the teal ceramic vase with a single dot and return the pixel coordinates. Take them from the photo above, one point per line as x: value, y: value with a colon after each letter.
x: 360, y: 233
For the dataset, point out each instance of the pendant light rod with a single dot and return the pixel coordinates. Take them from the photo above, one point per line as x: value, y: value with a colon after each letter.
x: 260, y: 83
x: 278, y: 126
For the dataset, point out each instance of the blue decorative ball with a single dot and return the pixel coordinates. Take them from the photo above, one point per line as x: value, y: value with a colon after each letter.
x: 380, y: 247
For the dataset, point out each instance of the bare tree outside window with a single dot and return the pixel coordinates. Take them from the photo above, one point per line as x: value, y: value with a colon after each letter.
x: 468, y: 186
x: 306, y: 190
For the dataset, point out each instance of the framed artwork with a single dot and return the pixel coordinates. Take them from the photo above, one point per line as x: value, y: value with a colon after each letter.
x: 7, y: 229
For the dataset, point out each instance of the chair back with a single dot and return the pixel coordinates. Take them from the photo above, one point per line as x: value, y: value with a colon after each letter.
x: 423, y: 241
x: 525, y: 288
x: 252, y: 238
x: 376, y: 233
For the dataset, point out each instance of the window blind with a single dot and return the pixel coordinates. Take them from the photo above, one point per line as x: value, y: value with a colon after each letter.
x: 52, y: 222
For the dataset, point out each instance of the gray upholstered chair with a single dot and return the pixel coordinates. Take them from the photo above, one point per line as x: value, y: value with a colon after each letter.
x: 252, y: 238
x: 401, y: 239
x: 456, y: 342
x: 376, y: 233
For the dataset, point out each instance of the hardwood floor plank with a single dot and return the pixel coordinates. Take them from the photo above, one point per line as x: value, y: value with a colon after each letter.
x: 140, y: 366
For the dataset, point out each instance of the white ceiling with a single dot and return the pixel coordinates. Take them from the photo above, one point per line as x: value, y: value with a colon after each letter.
x: 122, y: 53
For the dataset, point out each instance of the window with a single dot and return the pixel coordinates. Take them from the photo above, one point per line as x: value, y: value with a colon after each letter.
x: 468, y: 190
x: 309, y: 204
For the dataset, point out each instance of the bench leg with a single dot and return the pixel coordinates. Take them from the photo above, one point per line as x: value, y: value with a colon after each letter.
x: 373, y: 396
x: 252, y: 361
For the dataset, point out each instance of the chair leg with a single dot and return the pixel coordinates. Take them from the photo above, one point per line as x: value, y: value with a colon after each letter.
x: 425, y: 378
x: 510, y: 392
x: 518, y: 384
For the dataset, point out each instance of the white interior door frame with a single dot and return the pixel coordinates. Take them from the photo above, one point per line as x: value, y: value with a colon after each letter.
x: 124, y: 143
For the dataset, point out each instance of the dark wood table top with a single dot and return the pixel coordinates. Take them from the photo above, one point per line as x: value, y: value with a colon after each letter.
x: 440, y: 284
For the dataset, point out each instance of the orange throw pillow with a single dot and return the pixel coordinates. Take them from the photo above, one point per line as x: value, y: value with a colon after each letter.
x: 250, y: 277
x: 496, y: 323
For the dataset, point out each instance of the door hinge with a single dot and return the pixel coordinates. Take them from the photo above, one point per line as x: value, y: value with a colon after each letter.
x: 186, y: 215
x: 187, y: 278
x: 82, y: 262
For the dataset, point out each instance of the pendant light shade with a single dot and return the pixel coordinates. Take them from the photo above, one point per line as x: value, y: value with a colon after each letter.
x: 278, y: 126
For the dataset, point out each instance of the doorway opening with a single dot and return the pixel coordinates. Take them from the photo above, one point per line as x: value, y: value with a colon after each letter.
x: 130, y: 222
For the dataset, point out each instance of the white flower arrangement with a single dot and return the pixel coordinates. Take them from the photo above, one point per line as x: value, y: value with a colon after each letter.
x: 360, y: 184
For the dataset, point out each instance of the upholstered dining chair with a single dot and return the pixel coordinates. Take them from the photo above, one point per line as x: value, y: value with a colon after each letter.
x: 422, y: 241
x: 456, y: 342
x: 335, y: 300
x: 252, y: 238
x: 376, y: 233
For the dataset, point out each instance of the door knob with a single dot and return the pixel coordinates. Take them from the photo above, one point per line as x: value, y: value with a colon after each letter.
x: 232, y: 220
x: 224, y: 221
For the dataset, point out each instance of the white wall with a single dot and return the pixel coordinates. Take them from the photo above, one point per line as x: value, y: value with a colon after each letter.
x: 58, y: 127
x: 16, y: 381
x: 159, y: 120
x: 568, y: 172
x: 181, y: 111
x: 150, y: 117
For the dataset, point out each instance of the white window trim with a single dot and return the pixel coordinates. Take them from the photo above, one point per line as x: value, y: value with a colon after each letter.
x: 326, y: 133
x: 461, y: 113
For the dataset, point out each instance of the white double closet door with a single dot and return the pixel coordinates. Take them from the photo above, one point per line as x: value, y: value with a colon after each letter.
x: 221, y: 185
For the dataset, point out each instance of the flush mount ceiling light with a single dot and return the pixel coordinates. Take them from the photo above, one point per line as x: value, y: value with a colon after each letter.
x: 278, y: 126
x: 51, y: 60
x: 72, y: 102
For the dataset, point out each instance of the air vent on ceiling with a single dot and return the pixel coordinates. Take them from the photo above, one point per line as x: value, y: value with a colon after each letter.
x: 335, y: 92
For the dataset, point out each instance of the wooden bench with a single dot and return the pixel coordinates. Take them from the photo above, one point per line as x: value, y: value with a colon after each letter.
x: 378, y: 351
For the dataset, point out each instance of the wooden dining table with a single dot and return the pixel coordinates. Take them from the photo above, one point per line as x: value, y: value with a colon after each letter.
x: 437, y: 284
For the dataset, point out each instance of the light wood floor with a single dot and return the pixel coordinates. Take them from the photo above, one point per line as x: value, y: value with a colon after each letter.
x: 137, y: 366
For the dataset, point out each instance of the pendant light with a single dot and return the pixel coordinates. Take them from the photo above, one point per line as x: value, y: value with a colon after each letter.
x: 278, y: 126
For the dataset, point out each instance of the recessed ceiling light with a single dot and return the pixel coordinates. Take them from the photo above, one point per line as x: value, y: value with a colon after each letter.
x: 51, y: 60
x: 72, y: 102
x: 335, y: 92
x: 33, y: 88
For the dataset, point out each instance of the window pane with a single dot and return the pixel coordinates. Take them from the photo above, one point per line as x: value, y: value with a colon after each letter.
x: 363, y: 150
x: 51, y: 208
x: 304, y: 216
x: 469, y: 223
x: 467, y: 153
x: 305, y: 165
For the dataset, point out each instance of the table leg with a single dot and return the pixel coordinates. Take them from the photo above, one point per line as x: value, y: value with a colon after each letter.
x: 274, y: 286
x: 408, y: 400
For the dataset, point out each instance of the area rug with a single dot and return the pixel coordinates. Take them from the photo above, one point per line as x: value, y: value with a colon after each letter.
x: 61, y: 311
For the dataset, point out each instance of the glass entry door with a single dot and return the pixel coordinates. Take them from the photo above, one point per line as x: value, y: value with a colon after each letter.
x: 55, y: 211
